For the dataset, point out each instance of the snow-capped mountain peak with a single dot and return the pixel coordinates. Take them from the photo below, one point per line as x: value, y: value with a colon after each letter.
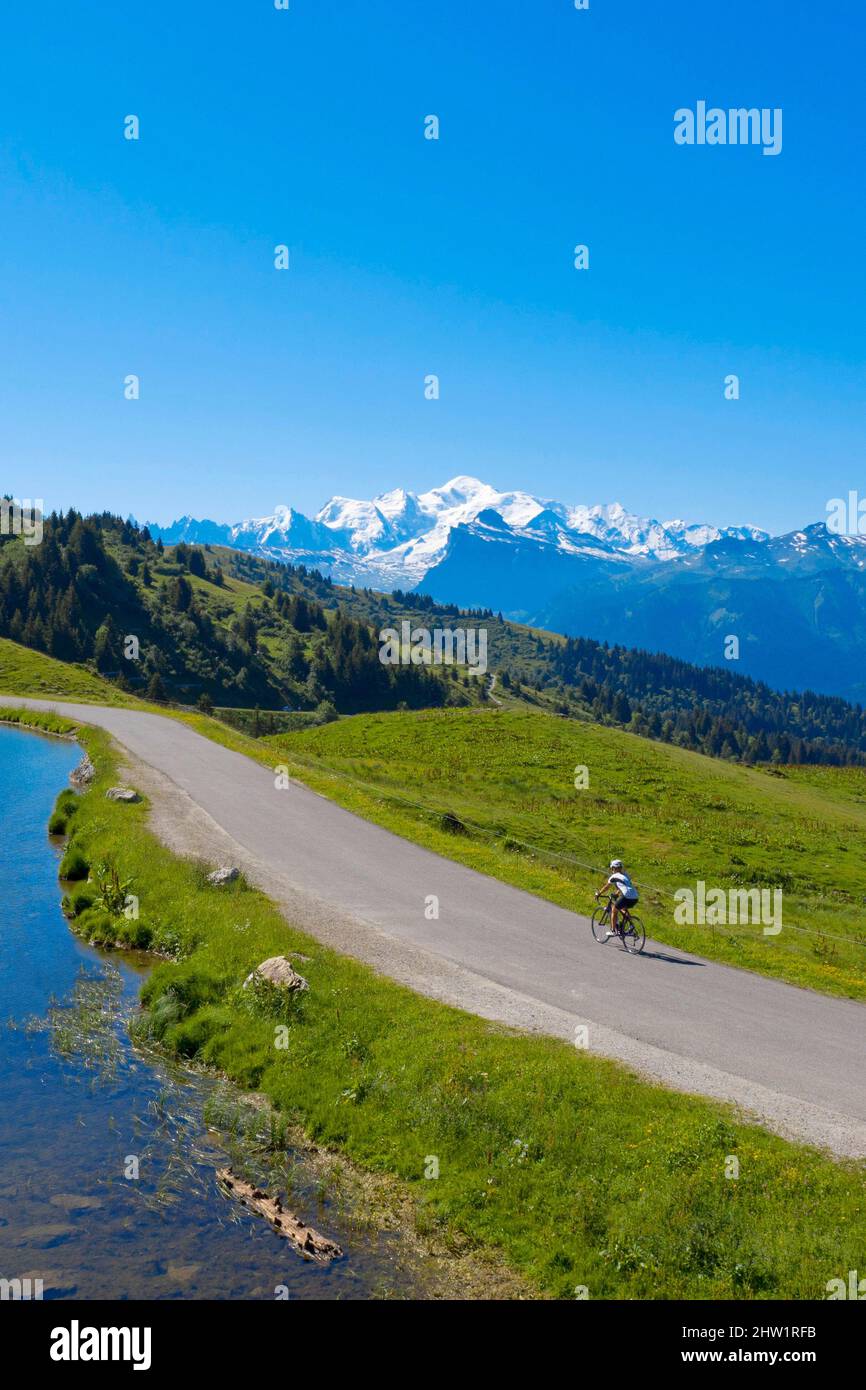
x: 395, y: 539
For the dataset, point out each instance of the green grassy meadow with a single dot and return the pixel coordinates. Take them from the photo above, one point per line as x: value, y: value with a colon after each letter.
x: 674, y: 816
x: 27, y: 672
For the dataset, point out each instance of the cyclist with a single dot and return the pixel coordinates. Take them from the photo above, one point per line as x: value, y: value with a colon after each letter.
x: 625, y: 893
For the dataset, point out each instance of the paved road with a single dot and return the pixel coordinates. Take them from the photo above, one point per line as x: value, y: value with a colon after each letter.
x: 796, y: 1057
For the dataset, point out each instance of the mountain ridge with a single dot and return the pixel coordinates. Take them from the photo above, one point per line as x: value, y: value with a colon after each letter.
x: 796, y: 603
x: 405, y: 533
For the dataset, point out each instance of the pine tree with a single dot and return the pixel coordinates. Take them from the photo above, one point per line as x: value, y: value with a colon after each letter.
x: 156, y: 691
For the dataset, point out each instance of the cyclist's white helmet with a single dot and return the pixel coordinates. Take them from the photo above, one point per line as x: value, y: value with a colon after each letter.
x: 615, y: 864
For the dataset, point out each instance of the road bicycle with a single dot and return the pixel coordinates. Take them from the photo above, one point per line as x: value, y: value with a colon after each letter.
x: 629, y: 928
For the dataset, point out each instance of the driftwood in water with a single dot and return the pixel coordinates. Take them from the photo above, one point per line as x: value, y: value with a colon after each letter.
x: 308, y: 1242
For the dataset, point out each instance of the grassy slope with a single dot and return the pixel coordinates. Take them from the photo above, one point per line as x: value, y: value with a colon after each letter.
x: 580, y: 1173
x: 27, y: 672
x: 673, y: 815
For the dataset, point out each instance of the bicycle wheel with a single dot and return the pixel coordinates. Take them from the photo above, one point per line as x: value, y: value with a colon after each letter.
x: 601, y: 924
x: 634, y: 936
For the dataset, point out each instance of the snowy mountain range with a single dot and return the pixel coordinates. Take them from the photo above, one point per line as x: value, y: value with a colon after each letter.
x: 394, y: 540
x: 797, y: 603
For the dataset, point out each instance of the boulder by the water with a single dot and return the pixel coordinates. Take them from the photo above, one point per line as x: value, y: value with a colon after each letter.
x: 122, y: 794
x: 222, y: 876
x: 83, y: 773
x: 279, y: 971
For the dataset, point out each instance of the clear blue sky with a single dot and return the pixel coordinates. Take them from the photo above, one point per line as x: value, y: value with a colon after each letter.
x: 410, y: 257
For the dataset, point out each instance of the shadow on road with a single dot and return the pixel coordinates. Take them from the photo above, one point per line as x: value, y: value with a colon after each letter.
x: 671, y: 960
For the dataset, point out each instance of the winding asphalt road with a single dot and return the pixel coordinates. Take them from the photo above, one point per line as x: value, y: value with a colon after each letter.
x: 794, y: 1058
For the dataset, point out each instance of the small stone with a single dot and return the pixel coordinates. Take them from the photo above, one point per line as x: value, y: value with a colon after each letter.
x: 122, y: 794
x: 72, y: 1202
x: 223, y: 876
x: 279, y: 971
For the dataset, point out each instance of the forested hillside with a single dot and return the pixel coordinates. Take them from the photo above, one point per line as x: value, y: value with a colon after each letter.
x: 198, y: 634
x: 709, y: 708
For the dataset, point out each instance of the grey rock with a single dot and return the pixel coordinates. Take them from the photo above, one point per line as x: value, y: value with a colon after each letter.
x: 222, y: 876
x: 279, y: 971
x: 122, y: 794
x: 83, y: 773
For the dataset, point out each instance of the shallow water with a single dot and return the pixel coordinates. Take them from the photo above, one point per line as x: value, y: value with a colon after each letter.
x: 78, y: 1102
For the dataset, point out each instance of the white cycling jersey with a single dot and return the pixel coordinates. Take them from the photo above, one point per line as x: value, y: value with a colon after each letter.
x: 623, y: 884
